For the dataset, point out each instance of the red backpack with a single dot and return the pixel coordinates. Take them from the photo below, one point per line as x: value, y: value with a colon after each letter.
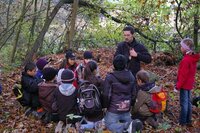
x: 159, y: 100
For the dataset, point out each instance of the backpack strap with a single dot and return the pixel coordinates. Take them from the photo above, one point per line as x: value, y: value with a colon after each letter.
x: 84, y: 82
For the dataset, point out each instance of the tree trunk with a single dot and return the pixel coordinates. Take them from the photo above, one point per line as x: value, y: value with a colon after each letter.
x: 32, y: 30
x: 72, y: 24
x: 196, y: 28
x: 38, y: 42
x: 8, y: 13
x: 23, y: 11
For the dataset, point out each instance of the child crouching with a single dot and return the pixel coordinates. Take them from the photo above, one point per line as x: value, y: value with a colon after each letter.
x: 66, y: 96
x: 46, y: 93
x: 141, y: 109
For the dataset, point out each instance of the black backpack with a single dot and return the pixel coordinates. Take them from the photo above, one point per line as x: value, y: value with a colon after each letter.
x: 89, y: 98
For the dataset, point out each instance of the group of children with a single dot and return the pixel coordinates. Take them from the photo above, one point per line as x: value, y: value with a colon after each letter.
x: 125, y: 99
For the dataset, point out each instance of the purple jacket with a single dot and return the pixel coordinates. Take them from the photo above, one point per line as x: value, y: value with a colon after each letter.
x: 119, y: 91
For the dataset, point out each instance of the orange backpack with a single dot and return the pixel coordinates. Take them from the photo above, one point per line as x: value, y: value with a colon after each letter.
x: 159, y: 100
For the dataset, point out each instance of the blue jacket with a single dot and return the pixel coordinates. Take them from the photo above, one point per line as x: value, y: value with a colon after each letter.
x: 30, y: 90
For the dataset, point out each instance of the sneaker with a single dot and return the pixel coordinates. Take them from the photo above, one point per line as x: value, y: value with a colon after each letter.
x: 28, y: 111
x: 38, y: 115
x: 151, y: 121
x: 135, y: 126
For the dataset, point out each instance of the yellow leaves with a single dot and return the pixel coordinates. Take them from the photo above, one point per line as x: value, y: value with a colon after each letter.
x: 160, y: 2
x: 142, y: 2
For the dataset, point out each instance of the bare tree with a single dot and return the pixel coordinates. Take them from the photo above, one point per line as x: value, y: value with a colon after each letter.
x: 38, y: 42
x: 72, y: 24
x: 23, y: 11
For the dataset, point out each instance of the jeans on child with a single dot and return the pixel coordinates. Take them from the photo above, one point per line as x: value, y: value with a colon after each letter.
x: 113, y: 123
x: 88, y: 125
x: 186, y: 107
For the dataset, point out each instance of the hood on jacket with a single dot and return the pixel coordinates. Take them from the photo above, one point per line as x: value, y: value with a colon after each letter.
x: 43, y: 87
x: 124, y: 76
x: 67, y: 89
x: 26, y: 74
x: 147, y: 86
x: 194, y: 57
x: 155, y: 89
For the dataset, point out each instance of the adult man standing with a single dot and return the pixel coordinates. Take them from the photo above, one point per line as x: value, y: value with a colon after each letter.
x: 133, y: 51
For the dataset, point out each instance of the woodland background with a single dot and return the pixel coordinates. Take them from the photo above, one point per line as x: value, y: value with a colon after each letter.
x: 30, y: 29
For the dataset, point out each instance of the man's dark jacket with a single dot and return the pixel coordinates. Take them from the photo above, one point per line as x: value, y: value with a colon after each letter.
x: 133, y: 63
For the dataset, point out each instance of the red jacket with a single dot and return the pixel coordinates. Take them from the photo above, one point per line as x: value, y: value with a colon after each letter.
x: 73, y: 68
x: 186, y: 72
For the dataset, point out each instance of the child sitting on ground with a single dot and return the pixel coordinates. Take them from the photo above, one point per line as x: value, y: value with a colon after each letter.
x: 65, y: 97
x: 90, y: 75
x: 70, y: 63
x: 30, y: 89
x: 119, y: 91
x: 143, y: 101
x: 46, y: 92
x: 41, y: 63
x: 87, y: 57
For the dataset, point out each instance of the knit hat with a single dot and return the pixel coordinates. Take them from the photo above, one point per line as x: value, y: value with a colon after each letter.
x: 49, y: 73
x: 41, y: 62
x: 187, y: 44
x: 67, y: 76
x: 119, y: 62
x: 87, y: 55
x: 69, y: 54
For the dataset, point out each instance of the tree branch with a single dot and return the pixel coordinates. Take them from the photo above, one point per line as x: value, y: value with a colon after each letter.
x: 176, y: 20
x: 106, y: 14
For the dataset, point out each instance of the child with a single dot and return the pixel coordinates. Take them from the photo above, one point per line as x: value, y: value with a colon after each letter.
x: 70, y: 63
x: 119, y: 90
x: 66, y: 96
x: 143, y: 101
x: 90, y: 75
x: 30, y: 88
x: 87, y: 55
x: 46, y: 91
x: 186, y: 79
x: 41, y: 63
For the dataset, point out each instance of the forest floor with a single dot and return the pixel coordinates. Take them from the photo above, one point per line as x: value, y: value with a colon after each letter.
x: 12, y: 118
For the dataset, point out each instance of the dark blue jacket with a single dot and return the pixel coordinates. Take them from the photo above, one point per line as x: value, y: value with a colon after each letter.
x: 119, y: 91
x: 133, y: 63
x: 30, y: 90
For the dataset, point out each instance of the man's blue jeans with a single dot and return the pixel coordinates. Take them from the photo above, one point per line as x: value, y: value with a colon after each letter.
x: 186, y: 107
x: 117, y: 122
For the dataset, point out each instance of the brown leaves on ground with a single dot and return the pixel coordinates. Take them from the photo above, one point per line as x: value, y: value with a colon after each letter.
x: 12, y: 117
